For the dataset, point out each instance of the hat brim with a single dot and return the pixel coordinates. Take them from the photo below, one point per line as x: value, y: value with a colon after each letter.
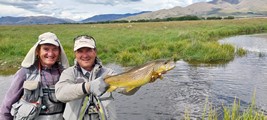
x: 82, y: 46
x: 49, y: 41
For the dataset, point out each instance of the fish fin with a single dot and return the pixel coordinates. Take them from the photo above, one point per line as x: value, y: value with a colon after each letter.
x: 156, y: 76
x: 111, y: 88
x: 129, y: 89
x: 161, y: 77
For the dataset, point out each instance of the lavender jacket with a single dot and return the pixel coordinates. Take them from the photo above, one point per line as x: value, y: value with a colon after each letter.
x: 14, y: 93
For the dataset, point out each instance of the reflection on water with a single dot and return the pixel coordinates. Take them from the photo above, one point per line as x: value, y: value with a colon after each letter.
x: 253, y: 43
x: 186, y: 88
x: 4, y: 84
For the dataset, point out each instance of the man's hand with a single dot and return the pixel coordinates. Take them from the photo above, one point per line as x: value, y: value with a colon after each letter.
x: 97, y: 86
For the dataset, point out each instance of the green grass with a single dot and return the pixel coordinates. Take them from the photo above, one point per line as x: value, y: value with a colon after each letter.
x: 231, y: 112
x: 251, y: 113
x: 131, y: 44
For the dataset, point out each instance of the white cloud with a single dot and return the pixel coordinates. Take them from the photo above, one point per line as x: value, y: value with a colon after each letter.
x: 82, y: 9
x: 14, y: 11
x: 108, y: 2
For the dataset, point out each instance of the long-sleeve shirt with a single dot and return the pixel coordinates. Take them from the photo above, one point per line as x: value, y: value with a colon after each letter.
x: 15, y: 91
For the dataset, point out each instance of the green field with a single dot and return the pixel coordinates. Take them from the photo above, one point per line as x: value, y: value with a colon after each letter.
x: 130, y: 44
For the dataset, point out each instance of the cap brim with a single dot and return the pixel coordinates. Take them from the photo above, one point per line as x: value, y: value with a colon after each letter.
x: 82, y: 46
x: 53, y: 42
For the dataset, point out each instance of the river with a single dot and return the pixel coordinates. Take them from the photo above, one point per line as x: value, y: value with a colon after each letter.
x: 185, y: 89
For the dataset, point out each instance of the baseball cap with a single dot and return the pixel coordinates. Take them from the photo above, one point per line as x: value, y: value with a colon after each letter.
x: 84, y: 41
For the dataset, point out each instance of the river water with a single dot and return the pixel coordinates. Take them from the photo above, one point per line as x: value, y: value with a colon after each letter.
x: 187, y: 88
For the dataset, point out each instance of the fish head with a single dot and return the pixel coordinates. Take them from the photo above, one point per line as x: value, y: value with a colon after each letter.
x: 162, y: 66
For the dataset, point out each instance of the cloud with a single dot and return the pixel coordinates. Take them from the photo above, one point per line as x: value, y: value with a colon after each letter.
x: 82, y: 9
x: 20, y: 4
x: 12, y: 11
x: 108, y: 2
x: 38, y: 6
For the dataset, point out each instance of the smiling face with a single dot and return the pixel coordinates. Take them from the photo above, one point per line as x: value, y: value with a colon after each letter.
x: 86, y: 57
x: 48, y: 54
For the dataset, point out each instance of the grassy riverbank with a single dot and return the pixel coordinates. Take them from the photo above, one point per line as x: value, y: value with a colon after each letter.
x: 232, y: 112
x: 131, y: 44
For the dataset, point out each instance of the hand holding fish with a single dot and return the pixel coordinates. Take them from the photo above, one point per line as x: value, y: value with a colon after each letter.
x: 97, y: 87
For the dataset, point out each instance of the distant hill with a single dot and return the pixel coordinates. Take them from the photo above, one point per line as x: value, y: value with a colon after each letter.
x: 110, y: 17
x: 237, y: 8
x: 9, y: 20
x: 32, y: 20
x: 221, y: 8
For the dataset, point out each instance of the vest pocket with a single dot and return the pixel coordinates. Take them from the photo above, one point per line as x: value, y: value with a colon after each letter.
x: 31, y: 90
x: 23, y: 110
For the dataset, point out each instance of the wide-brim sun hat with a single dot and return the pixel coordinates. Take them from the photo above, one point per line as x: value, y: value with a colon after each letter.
x: 45, y: 38
x: 48, y: 38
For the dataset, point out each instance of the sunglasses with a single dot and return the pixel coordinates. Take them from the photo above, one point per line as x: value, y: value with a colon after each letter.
x: 84, y: 36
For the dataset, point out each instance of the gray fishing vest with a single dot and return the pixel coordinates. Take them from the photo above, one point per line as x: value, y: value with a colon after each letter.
x: 94, y: 109
x: 49, y: 104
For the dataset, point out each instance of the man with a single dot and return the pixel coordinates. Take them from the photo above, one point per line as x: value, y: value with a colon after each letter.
x: 82, y: 86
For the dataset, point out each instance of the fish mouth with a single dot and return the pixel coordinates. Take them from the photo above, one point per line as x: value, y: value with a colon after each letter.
x: 168, y: 66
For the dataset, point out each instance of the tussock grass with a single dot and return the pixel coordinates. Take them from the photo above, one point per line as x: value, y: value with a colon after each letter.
x: 131, y: 44
x: 250, y: 113
x: 233, y: 112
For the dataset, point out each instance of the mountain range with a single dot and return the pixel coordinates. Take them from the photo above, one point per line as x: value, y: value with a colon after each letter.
x: 110, y: 17
x: 9, y: 20
x: 236, y: 8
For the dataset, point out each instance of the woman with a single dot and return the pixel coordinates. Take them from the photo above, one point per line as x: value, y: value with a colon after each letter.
x: 32, y: 94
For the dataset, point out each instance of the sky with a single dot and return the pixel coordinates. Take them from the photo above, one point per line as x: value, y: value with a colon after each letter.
x: 81, y: 9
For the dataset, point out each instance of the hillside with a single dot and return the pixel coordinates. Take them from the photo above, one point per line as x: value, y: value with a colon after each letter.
x: 32, y: 20
x: 237, y: 8
x: 27, y: 20
x: 110, y: 17
x: 215, y: 8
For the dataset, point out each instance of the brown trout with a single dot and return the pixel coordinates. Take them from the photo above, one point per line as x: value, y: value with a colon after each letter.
x: 139, y: 76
